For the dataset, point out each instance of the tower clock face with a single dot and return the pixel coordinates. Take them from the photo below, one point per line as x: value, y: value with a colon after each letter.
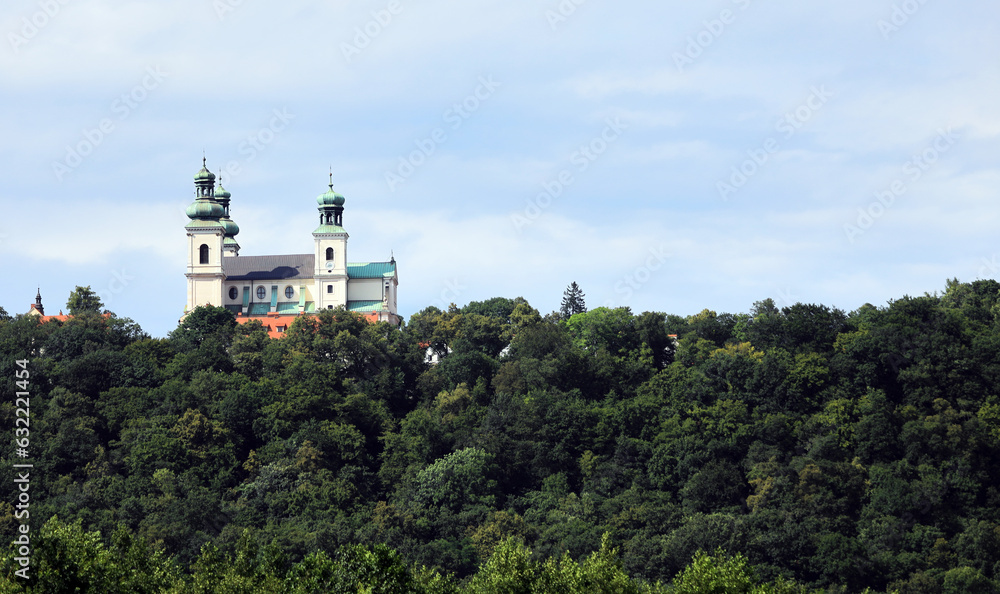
x: 329, y: 265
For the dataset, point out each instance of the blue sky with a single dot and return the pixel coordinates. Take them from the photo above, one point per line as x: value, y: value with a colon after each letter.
x: 668, y: 156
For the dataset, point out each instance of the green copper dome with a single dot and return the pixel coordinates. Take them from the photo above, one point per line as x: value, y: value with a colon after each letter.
x: 204, y: 174
x: 330, y: 198
x: 222, y: 193
x: 205, y: 209
x: 230, y: 226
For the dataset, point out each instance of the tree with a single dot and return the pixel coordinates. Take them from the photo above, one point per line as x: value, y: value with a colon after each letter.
x: 572, y: 302
x: 457, y: 480
x: 203, y: 322
x: 722, y: 574
x: 83, y: 300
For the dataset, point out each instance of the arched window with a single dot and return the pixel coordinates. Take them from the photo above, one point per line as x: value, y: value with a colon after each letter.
x: 203, y: 254
x: 329, y: 253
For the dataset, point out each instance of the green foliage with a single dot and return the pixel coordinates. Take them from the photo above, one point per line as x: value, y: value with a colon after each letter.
x: 205, y: 322
x: 511, y: 569
x: 64, y: 558
x: 722, y: 574
x: 572, y: 302
x: 841, y: 451
x: 82, y: 301
x: 457, y: 480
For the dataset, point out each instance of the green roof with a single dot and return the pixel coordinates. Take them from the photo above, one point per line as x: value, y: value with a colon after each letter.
x: 371, y: 270
x: 364, y: 306
x: 203, y: 223
x: 288, y: 308
x: 330, y: 229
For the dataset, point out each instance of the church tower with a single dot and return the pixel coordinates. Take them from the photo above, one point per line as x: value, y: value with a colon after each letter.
x: 206, y: 235
x: 229, y: 245
x: 330, y: 241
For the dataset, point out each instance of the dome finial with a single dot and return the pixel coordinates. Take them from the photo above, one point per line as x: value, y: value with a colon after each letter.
x: 331, y: 177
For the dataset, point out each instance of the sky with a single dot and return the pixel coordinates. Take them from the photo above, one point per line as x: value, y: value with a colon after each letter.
x: 666, y: 156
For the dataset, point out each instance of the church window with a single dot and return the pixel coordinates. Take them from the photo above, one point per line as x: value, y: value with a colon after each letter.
x: 329, y: 253
x: 289, y: 292
x: 329, y: 288
x: 233, y: 293
x: 203, y: 254
x: 261, y: 293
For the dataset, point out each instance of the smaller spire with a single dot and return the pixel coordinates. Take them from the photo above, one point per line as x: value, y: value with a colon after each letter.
x: 38, y: 302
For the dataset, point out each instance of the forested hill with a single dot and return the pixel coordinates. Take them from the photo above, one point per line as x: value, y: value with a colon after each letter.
x: 799, y: 448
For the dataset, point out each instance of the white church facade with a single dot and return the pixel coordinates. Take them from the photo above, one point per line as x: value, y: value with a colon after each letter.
x: 276, y: 289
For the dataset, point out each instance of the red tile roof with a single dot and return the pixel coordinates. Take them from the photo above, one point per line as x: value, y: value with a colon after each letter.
x: 273, y: 321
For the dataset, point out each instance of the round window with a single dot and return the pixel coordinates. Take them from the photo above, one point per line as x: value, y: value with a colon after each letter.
x: 261, y: 293
x: 289, y: 292
x: 233, y: 293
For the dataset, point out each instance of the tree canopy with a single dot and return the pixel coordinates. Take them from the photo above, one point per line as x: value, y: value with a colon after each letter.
x: 82, y: 301
x: 786, y: 449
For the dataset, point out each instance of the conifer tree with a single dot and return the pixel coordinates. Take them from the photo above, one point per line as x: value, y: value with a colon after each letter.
x: 572, y: 302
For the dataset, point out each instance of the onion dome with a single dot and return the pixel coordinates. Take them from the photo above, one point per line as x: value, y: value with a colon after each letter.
x: 222, y: 193
x: 331, y: 211
x: 230, y: 227
x: 205, y: 209
x: 204, y: 174
x: 330, y: 198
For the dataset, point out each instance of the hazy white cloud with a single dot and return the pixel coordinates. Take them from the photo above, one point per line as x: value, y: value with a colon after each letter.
x: 366, y: 83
